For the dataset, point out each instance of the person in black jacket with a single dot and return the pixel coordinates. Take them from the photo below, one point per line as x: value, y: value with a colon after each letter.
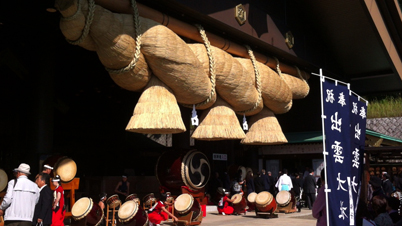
x: 309, y: 189
x: 258, y: 183
x: 43, y: 209
x: 265, y: 178
x: 387, y: 185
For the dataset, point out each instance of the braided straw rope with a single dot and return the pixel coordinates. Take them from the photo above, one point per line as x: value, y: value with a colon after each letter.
x: 138, y: 35
x: 211, y: 66
x: 278, y: 69
x: 257, y: 80
x: 88, y: 21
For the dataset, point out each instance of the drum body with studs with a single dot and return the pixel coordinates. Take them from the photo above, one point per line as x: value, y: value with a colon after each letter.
x: 86, y: 209
x: 185, y: 204
x: 251, y: 200
x: 131, y: 211
x: 283, y: 198
x: 265, y: 202
x: 183, y: 168
x: 239, y: 203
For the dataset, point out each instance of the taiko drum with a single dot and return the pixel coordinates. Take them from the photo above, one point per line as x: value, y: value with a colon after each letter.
x: 130, y: 211
x: 86, y: 209
x: 183, y: 168
x: 265, y: 202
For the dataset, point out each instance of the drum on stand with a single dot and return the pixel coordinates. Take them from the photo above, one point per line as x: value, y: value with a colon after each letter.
x: 63, y: 166
x: 149, y: 200
x: 265, y: 202
x: 113, y: 201
x: 183, y: 168
x: 233, y: 171
x: 283, y: 198
x: 131, y: 211
x: 185, y: 204
x: 134, y: 198
x: 86, y: 208
x: 251, y: 200
x: 3, y: 180
x: 239, y: 203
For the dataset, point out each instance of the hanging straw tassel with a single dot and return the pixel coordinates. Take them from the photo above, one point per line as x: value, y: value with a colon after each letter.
x: 219, y: 123
x: 264, y: 130
x: 157, y: 111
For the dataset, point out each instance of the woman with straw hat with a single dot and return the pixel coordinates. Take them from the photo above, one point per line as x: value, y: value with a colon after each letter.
x: 58, y: 203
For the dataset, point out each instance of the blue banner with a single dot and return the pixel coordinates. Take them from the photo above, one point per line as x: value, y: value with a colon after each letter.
x: 337, y: 116
x: 358, y: 130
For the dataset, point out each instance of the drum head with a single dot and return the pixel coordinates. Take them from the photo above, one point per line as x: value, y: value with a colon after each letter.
x: 3, y: 180
x: 195, y: 170
x: 251, y: 197
x: 237, y: 198
x: 183, y: 202
x: 66, y: 169
x: 128, y: 210
x: 283, y: 197
x: 81, y: 208
x: 264, y: 198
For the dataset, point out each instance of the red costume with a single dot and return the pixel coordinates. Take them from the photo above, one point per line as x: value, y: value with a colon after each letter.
x: 59, y: 212
x: 224, y: 207
x: 158, y: 215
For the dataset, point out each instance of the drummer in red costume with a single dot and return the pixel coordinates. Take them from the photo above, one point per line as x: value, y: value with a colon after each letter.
x: 223, y: 205
x: 159, y: 213
x: 58, y: 204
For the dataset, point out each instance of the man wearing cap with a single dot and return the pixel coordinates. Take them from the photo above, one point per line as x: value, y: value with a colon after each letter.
x: 20, y: 199
x: 47, y: 169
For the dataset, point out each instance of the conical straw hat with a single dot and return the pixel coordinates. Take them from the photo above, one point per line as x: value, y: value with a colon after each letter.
x: 157, y: 111
x: 219, y: 123
x: 264, y: 130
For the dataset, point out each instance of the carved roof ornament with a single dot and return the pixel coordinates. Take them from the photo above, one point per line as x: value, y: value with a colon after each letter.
x: 240, y: 14
x: 290, y: 40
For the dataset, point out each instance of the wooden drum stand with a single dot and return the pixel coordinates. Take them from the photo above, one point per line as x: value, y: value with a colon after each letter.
x: 111, y: 217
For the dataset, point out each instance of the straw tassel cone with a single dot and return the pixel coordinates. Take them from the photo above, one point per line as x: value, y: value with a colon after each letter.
x: 157, y: 111
x: 219, y: 123
x: 264, y: 130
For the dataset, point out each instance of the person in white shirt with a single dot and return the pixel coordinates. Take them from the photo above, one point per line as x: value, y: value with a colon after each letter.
x: 20, y: 199
x: 284, y: 182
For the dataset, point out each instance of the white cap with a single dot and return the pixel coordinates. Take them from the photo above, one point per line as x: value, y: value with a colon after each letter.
x: 48, y: 167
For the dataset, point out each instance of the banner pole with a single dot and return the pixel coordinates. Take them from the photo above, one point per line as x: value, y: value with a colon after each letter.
x: 322, y: 78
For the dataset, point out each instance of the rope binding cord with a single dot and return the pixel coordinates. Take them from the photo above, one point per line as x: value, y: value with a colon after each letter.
x: 257, y: 81
x: 138, y: 35
x: 88, y: 21
x: 278, y: 69
x: 212, y: 66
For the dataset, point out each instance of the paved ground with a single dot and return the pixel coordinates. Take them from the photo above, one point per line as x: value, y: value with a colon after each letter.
x: 304, y: 218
